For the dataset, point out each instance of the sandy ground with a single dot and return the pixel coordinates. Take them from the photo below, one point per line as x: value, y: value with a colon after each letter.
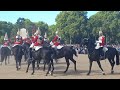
x: 9, y: 71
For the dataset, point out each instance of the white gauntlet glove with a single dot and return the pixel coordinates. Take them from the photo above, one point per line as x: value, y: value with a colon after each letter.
x: 51, y: 43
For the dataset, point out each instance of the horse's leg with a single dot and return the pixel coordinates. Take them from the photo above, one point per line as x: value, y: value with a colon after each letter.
x: 44, y: 66
x: 20, y: 64
x: 90, y: 67
x: 68, y: 63
x: 8, y: 59
x: 74, y: 63
x: 2, y: 59
x: 52, y: 66
x: 33, y: 66
x: 5, y: 60
x: 112, y: 63
x: 56, y: 60
x: 99, y: 64
x: 29, y: 62
x: 38, y: 64
x: 16, y: 64
x: 49, y: 67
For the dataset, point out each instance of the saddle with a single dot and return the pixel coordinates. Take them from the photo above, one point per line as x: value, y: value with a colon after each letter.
x: 103, y: 50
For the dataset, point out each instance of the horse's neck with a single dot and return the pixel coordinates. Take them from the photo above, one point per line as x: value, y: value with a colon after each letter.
x: 91, y: 48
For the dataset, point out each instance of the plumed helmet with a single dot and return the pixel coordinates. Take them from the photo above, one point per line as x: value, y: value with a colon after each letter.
x: 100, y: 32
x: 37, y: 32
x: 56, y: 32
x: 45, y: 36
x: 18, y: 32
x: 6, y: 36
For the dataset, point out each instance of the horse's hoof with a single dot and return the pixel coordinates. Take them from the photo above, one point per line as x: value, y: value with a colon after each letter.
x: 112, y: 72
x: 103, y: 73
x: 26, y: 71
x: 38, y: 68
x: 46, y: 74
x: 52, y: 74
x: 32, y: 73
x: 88, y: 73
x: 64, y: 71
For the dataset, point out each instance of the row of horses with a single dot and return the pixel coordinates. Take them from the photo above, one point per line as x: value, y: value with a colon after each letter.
x: 48, y: 54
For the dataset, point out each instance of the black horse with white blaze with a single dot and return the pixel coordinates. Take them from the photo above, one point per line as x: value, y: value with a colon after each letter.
x: 94, y: 54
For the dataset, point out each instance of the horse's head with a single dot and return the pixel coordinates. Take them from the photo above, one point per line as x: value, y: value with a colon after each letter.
x: 84, y: 42
x: 88, y: 42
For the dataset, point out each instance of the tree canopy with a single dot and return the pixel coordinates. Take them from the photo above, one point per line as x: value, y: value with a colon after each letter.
x: 73, y: 26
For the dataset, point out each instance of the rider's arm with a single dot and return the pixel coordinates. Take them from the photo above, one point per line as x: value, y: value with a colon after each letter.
x: 100, y: 41
x: 55, y: 38
x: 35, y: 39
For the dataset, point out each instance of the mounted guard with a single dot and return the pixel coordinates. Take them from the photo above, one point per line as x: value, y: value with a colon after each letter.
x: 18, y: 39
x: 6, y: 41
x: 100, y: 44
x: 37, y: 42
x: 27, y: 39
x: 56, y: 41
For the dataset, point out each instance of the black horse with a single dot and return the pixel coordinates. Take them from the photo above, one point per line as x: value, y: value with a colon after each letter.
x: 67, y: 52
x: 25, y: 47
x: 45, y: 54
x: 17, y: 52
x: 94, y: 55
x: 5, y: 53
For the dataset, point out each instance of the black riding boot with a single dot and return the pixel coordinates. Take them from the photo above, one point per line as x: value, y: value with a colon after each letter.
x: 30, y: 54
x: 101, y: 53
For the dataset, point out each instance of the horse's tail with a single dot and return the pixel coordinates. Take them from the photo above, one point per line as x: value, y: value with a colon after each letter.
x: 117, y: 57
x: 74, y: 52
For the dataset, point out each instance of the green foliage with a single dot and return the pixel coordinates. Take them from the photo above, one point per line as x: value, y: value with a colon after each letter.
x: 73, y: 26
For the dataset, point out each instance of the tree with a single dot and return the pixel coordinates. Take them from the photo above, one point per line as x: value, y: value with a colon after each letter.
x: 108, y: 22
x: 72, y: 24
x: 42, y: 26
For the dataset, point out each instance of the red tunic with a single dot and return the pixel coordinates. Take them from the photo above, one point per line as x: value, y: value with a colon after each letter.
x: 28, y: 41
x: 6, y: 44
x: 18, y: 42
x: 102, y: 38
x: 57, y: 43
x: 55, y: 40
x: 32, y: 39
x: 39, y: 43
x: 35, y: 41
